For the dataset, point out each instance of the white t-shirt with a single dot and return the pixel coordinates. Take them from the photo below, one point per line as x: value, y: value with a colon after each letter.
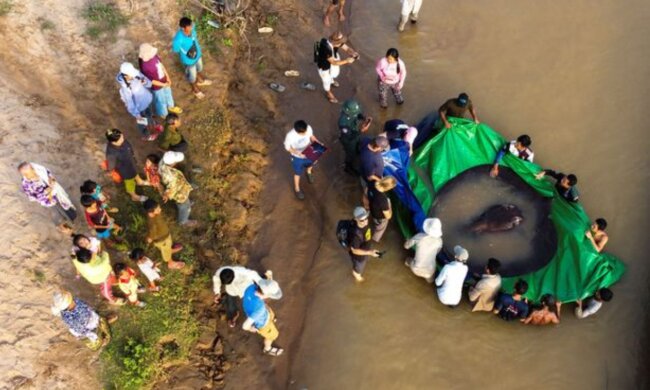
x: 149, y: 270
x: 298, y: 141
x: 426, y: 249
x: 450, y: 282
x: 244, y: 277
x: 526, y: 154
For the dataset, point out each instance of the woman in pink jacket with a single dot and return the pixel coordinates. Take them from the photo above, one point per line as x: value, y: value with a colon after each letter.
x: 392, y: 73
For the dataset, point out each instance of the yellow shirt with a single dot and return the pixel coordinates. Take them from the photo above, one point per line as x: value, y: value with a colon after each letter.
x: 97, y: 270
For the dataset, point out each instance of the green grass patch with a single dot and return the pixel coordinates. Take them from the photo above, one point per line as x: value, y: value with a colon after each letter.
x: 6, y: 6
x: 209, y: 37
x: 46, y: 24
x: 103, y: 18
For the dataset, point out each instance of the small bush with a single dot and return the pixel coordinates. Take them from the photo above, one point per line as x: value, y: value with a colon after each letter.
x: 5, y: 7
x: 103, y: 18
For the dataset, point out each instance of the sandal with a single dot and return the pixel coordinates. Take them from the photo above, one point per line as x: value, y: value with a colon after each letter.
x: 310, y: 178
x: 299, y: 194
x: 199, y: 95
x: 335, y: 84
x: 273, y: 351
x: 204, y: 83
x: 332, y: 100
x: 277, y: 87
x: 308, y: 86
x: 291, y: 73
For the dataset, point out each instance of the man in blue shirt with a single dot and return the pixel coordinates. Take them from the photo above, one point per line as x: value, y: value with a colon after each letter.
x: 510, y: 307
x: 186, y: 44
x: 260, y: 318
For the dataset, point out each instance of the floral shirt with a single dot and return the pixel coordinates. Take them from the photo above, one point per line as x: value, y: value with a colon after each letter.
x: 178, y: 189
x: 36, y: 191
x: 82, y: 320
x: 152, y: 174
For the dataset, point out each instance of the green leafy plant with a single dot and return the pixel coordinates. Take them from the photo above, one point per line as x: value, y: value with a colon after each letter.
x: 5, y: 7
x: 103, y: 18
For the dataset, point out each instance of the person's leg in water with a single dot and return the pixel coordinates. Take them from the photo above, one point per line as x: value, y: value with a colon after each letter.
x: 397, y: 92
x: 357, y: 269
x: 415, y: 11
x: 340, y: 4
x: 351, y: 149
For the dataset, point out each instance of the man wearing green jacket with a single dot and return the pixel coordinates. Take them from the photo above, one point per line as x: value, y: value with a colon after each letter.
x: 352, y: 123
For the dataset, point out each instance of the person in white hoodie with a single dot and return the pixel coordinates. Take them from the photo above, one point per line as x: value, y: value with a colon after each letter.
x: 427, y: 245
x: 137, y: 97
x: 451, y: 278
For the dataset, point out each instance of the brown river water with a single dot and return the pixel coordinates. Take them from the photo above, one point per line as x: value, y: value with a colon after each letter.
x: 574, y: 75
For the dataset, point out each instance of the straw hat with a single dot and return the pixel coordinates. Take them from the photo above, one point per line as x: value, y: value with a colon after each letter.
x: 386, y: 184
x: 62, y: 300
x: 147, y: 52
x: 432, y: 227
x: 337, y: 38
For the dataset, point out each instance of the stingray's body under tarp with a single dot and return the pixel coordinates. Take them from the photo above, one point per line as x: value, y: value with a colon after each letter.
x: 576, y: 270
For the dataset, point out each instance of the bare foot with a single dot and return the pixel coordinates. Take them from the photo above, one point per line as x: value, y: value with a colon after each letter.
x: 175, y: 265
x: 341, y: 17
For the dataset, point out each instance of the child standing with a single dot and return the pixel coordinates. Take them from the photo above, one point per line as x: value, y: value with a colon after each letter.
x: 128, y: 283
x: 158, y: 234
x: 151, y: 171
x: 96, y: 269
x: 147, y: 267
x: 93, y: 189
x: 97, y: 218
x: 391, y: 73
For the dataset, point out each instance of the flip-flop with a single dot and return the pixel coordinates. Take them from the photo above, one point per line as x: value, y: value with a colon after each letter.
x: 277, y: 87
x: 335, y: 84
x: 332, y: 100
x: 199, y: 95
x: 273, y: 351
x: 204, y: 82
x: 291, y: 73
x: 214, y: 23
x: 265, y: 30
x: 308, y: 86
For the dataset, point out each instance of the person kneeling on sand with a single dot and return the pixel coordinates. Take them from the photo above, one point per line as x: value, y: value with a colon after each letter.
x: 548, y: 314
x: 82, y: 321
x: 427, y: 245
x: 451, y: 278
x: 594, y: 304
x: 596, y: 234
x: 329, y: 61
x: 483, y: 294
x: 260, y: 318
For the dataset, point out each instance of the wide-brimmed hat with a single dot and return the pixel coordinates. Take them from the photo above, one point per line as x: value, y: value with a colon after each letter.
x: 147, y: 52
x: 386, y: 183
x: 128, y: 69
x: 337, y: 38
x: 432, y: 227
x: 171, y: 157
x: 461, y: 253
x: 62, y: 300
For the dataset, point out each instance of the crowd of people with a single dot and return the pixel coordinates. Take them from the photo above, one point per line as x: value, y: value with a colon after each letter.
x: 147, y: 95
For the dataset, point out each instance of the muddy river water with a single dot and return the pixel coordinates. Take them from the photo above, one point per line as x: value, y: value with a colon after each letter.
x: 574, y: 75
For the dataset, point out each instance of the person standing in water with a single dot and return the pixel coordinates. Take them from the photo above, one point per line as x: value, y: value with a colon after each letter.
x: 391, y: 72
x: 352, y: 123
x: 548, y: 314
x: 596, y: 234
x: 329, y: 61
x: 410, y: 9
x: 458, y: 108
x: 331, y: 8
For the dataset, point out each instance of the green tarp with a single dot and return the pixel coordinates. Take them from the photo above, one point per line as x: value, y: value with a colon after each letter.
x: 575, y: 272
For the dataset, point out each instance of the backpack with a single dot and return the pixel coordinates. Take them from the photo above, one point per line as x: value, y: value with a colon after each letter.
x: 344, y: 230
x: 317, y: 46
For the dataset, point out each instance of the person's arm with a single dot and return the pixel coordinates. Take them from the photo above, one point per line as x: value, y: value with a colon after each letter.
x: 336, y: 62
x: 441, y: 277
x: 169, y: 79
x: 350, y: 51
x: 476, y: 291
x: 314, y: 139
x: 145, y: 81
x: 472, y: 112
x: 601, y: 244
x: 248, y: 325
x: 379, y: 68
x: 442, y: 111
x: 365, y: 252
x: 497, y: 160
x: 402, y: 74
x: 527, y: 319
x: 127, y: 97
x: 388, y: 214
x: 216, y: 283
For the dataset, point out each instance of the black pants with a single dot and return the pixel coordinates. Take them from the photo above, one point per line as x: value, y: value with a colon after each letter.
x: 230, y: 305
x: 69, y: 214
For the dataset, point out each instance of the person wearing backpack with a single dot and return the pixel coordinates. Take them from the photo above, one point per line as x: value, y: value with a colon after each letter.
x: 186, y: 44
x: 328, y: 61
x: 359, y: 242
x: 513, y: 306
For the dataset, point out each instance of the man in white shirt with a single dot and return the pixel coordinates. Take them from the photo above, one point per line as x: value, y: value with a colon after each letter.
x: 451, y: 278
x: 427, y: 245
x: 594, y: 304
x: 235, y: 279
x: 295, y: 142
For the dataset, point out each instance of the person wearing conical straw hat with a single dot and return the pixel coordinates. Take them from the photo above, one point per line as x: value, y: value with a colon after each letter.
x: 82, y: 321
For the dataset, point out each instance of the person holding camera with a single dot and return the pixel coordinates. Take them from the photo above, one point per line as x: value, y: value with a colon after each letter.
x: 329, y: 61
x: 360, y: 243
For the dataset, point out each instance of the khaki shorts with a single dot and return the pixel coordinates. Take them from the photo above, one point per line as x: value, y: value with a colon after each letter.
x: 269, y: 331
x: 129, y: 186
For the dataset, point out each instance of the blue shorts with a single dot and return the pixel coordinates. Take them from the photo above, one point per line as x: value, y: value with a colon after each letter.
x: 300, y: 164
x: 105, y: 234
x: 192, y: 70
